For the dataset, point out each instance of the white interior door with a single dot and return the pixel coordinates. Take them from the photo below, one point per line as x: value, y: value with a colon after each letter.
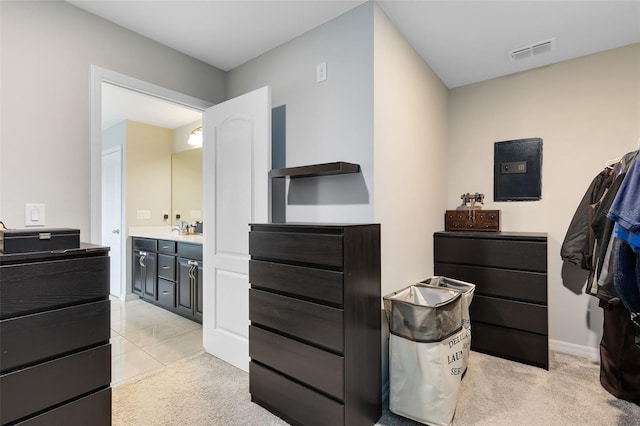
x: 112, y: 213
x: 236, y: 163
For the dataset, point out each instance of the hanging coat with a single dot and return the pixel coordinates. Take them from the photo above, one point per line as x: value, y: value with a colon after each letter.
x: 577, y: 247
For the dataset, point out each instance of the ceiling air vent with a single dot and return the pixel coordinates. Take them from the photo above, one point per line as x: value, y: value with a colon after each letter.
x: 532, y: 49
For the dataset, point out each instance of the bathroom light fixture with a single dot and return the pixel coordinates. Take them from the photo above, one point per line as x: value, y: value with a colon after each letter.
x: 195, y: 138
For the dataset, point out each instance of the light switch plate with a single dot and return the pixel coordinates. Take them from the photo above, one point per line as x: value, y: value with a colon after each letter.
x: 34, y: 214
x: 321, y: 72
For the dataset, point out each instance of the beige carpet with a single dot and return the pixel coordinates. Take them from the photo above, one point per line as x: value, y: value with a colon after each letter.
x: 203, y: 390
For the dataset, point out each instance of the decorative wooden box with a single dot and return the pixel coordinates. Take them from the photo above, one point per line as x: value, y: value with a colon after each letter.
x: 472, y: 220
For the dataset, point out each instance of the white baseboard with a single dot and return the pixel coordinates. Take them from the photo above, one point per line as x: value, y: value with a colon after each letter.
x: 573, y: 349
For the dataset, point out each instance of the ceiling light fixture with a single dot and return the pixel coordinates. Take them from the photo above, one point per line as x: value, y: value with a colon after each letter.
x: 195, y: 138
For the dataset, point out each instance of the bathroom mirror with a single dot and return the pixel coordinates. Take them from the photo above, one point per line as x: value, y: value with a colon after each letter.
x: 186, y: 185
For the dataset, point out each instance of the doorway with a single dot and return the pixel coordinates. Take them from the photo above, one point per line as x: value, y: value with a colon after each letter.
x: 177, y: 107
x: 132, y: 351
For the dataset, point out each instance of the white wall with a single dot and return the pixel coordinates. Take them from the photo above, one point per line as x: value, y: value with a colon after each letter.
x: 328, y: 121
x: 46, y: 49
x: 586, y: 111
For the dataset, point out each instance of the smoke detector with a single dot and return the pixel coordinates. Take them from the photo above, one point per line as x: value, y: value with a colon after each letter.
x: 532, y: 50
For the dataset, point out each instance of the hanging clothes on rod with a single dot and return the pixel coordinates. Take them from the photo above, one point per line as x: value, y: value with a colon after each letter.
x: 625, y: 213
x: 598, y: 240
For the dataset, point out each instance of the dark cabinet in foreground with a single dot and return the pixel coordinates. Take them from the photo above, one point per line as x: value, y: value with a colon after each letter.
x: 55, y: 357
x: 315, y: 333
x: 508, y: 313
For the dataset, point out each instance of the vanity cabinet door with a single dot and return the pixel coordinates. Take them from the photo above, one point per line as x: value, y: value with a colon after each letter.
x: 138, y: 273
x: 184, y: 296
x: 145, y: 274
x: 189, y: 288
x: 198, y: 293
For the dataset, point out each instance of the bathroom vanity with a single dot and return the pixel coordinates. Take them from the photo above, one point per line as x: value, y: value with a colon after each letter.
x: 167, y: 271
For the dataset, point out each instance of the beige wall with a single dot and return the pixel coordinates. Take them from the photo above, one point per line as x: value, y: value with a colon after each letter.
x: 46, y: 51
x: 410, y: 136
x: 148, y: 172
x: 586, y: 111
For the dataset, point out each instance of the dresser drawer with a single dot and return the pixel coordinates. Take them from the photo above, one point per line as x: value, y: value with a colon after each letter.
x: 167, y: 293
x: 509, y: 313
x: 314, y: 323
x: 44, y: 385
x: 33, y: 287
x: 498, y: 253
x: 145, y: 244
x: 319, y: 249
x: 295, y: 403
x: 191, y: 251
x: 167, y: 267
x: 166, y: 246
x: 94, y: 410
x: 319, y: 369
x: 34, y: 337
x: 311, y: 283
x: 522, y: 285
x: 521, y: 346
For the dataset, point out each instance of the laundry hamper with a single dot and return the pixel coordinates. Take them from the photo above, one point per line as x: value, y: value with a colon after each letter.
x: 466, y: 290
x: 425, y: 352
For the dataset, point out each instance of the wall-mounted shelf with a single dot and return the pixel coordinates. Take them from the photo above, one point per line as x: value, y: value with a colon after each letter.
x: 325, y: 169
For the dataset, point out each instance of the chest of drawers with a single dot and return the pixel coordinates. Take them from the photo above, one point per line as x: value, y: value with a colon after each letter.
x: 55, y: 357
x: 508, y: 313
x: 314, y: 306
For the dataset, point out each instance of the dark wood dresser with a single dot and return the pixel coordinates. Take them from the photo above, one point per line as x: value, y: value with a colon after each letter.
x: 315, y: 334
x: 508, y: 313
x: 55, y: 356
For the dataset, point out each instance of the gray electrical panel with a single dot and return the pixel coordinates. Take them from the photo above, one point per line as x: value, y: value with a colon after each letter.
x: 517, y: 170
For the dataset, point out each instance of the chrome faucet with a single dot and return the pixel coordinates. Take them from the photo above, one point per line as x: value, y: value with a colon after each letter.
x: 181, y: 226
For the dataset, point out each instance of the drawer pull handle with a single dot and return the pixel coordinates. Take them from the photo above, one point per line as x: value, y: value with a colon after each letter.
x: 165, y: 267
x: 165, y: 292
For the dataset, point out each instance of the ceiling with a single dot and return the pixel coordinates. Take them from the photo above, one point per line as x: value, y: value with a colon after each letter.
x: 463, y: 41
x: 120, y: 104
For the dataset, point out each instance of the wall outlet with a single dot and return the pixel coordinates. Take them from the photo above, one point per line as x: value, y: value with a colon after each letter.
x: 178, y: 215
x: 321, y: 72
x: 165, y: 215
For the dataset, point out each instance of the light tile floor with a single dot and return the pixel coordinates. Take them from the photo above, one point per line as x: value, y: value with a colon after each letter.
x: 145, y: 337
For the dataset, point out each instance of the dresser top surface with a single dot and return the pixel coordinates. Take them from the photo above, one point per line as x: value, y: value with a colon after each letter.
x: 312, y: 225
x: 534, y: 236
x: 83, y: 250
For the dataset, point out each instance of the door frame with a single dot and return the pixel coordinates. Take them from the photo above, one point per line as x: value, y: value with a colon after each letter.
x: 101, y: 75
